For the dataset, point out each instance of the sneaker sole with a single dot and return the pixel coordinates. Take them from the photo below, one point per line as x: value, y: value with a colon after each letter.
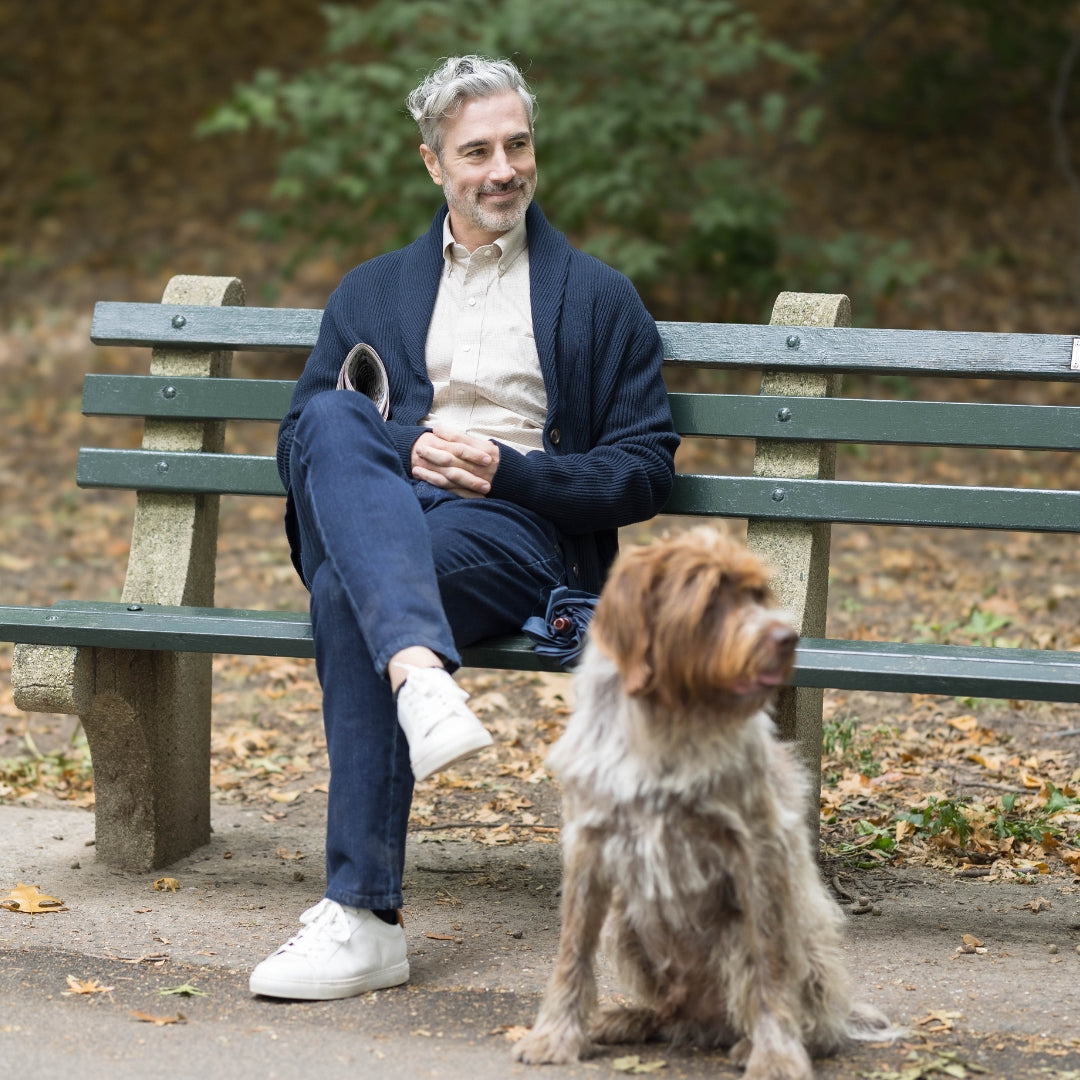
x: 382, y: 979
x: 441, y: 757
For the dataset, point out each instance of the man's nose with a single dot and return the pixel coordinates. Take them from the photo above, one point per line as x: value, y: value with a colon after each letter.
x: 501, y: 167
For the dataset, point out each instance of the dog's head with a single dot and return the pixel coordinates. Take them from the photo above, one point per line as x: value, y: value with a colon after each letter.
x: 689, y: 618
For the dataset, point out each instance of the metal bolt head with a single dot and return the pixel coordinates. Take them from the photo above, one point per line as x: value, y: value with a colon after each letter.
x: 778, y: 495
x: 168, y: 392
x: 793, y: 341
x: 783, y: 415
x: 134, y: 607
x: 179, y: 321
x: 162, y: 467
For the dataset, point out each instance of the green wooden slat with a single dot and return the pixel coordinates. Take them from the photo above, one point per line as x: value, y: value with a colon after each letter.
x: 772, y: 499
x: 930, y: 352
x: 193, y: 473
x: 711, y: 496
x: 217, y: 630
x: 186, y: 398
x: 243, y: 328
x: 938, y: 669
x: 846, y: 665
x: 883, y: 352
x: 858, y: 420
x: 512, y: 651
x: 176, y: 629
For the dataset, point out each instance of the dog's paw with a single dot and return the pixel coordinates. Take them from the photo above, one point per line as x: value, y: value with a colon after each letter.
x: 619, y: 1024
x: 739, y: 1054
x: 788, y: 1061
x: 552, y: 1046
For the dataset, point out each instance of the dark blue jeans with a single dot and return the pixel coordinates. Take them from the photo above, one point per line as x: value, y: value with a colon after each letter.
x: 392, y: 562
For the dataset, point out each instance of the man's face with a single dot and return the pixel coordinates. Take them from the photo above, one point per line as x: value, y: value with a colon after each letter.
x: 487, y: 169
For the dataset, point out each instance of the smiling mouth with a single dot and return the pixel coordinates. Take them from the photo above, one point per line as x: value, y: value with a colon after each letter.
x: 502, y: 193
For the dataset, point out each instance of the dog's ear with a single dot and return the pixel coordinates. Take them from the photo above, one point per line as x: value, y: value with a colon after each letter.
x: 620, y: 624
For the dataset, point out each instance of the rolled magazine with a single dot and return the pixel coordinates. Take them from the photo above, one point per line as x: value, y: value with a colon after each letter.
x: 365, y: 372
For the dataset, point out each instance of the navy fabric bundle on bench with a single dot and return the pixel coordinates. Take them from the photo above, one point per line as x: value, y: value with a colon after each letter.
x: 138, y: 671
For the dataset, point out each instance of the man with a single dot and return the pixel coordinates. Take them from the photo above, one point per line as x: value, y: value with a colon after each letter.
x: 528, y: 422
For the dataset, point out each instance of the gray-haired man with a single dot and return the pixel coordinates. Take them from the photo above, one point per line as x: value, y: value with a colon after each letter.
x: 528, y: 422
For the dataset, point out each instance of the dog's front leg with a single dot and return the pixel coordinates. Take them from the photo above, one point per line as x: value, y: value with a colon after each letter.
x: 773, y: 1048
x: 559, y: 1033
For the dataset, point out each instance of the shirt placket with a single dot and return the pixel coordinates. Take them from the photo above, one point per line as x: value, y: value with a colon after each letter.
x: 465, y: 372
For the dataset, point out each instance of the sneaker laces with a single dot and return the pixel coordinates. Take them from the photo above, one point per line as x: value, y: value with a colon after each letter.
x: 435, y: 687
x: 433, y: 683
x: 324, y: 926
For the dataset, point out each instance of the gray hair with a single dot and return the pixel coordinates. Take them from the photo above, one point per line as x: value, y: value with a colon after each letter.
x: 459, y: 79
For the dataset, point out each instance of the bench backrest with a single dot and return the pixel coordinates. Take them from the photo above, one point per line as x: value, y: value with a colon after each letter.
x: 770, y: 348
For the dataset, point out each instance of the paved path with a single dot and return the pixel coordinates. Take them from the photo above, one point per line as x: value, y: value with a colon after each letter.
x: 482, y: 924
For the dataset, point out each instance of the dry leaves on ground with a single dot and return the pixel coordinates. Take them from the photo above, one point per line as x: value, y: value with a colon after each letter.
x: 30, y: 900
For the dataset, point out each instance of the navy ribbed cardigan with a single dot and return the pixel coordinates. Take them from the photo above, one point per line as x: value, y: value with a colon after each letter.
x: 608, y: 436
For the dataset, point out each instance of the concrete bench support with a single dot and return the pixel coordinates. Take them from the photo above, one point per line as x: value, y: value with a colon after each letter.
x: 798, y: 552
x: 147, y: 714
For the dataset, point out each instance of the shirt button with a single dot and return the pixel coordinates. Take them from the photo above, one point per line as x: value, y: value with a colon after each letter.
x: 556, y: 435
x: 575, y: 570
x: 472, y: 301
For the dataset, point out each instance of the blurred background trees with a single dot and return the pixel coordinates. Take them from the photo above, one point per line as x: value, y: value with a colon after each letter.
x: 909, y: 152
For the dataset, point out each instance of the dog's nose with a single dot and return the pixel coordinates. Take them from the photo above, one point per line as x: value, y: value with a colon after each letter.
x: 783, y: 637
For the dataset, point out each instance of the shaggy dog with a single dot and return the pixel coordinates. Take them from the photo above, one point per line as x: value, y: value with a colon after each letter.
x: 683, y: 828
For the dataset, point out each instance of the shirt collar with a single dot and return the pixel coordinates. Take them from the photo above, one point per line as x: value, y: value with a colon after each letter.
x: 510, y: 245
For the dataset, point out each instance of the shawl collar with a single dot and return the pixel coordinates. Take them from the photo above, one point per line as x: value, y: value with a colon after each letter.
x: 549, y: 264
x: 418, y: 285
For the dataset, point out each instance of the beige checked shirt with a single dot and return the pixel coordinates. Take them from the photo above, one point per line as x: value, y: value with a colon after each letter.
x: 481, y: 354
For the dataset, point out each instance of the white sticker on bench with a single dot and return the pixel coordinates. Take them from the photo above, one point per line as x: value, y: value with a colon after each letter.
x: 1075, y: 365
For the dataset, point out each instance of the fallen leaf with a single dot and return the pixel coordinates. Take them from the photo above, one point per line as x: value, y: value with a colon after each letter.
x: 15, y: 563
x: 513, y: 1032
x: 942, y: 1019
x: 166, y: 884
x: 186, y: 990
x: 964, y: 723
x: 84, y: 986
x: 159, y: 1021
x: 1037, y: 905
x: 633, y: 1064
x: 285, y: 853
x: 31, y: 901
x: 285, y: 796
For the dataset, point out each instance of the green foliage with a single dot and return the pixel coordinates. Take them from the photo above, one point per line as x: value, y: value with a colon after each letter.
x: 862, y: 266
x: 840, y: 743
x: 941, y: 816
x: 981, y: 628
x: 646, y: 131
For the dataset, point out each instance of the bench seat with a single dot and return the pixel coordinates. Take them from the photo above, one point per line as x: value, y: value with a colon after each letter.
x: 884, y: 666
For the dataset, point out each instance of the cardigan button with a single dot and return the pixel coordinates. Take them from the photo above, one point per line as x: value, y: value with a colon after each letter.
x: 556, y: 435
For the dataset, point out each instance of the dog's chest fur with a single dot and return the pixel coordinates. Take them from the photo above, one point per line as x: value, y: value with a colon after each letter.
x: 670, y: 801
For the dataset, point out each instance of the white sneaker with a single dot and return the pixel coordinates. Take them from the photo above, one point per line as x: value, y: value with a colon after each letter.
x: 341, y: 951
x: 439, y: 726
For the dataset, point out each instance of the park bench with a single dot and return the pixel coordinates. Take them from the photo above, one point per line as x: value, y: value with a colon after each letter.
x: 138, y: 671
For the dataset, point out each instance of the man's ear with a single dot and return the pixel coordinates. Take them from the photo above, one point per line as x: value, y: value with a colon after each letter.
x: 431, y: 161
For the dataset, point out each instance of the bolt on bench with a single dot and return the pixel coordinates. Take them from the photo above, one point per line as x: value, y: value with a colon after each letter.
x: 138, y: 672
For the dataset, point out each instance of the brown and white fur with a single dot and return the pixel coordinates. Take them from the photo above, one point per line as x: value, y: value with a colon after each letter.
x: 683, y: 828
